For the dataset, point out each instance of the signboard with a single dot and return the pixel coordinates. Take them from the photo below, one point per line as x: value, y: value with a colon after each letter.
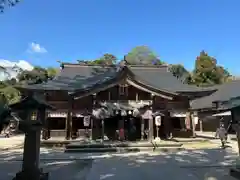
x: 195, y: 120
x: 86, y: 121
x: 158, y: 120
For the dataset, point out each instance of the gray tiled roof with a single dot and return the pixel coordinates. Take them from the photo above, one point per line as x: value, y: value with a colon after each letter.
x: 224, y: 93
x: 163, y: 79
x: 79, y: 77
x: 82, y: 77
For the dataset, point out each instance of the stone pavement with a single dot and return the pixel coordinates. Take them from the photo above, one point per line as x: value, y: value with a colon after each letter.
x: 12, y: 142
x: 189, y: 165
x: 211, y: 164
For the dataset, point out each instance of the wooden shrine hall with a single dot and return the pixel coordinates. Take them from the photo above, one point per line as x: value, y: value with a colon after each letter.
x: 128, y: 102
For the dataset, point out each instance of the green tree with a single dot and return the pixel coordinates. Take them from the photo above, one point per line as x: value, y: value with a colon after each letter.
x: 207, y: 72
x: 7, y: 3
x: 4, y: 72
x: 142, y: 55
x: 179, y: 71
x: 52, y: 72
x: 37, y: 75
x: 106, y: 59
x: 11, y: 94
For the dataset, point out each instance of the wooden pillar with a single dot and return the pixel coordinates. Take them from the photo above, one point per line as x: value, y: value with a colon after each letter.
x: 103, y: 131
x: 188, y: 121
x: 150, y: 134
x: 193, y: 124
x: 69, y: 119
x: 238, y: 137
x: 201, y: 125
x: 236, y: 122
x: 94, y: 125
x: 45, y: 130
x: 166, y: 124
x: 121, y: 128
x: 151, y: 129
x: 142, y: 128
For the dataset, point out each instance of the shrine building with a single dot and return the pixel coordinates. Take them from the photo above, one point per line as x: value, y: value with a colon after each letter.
x: 135, y: 101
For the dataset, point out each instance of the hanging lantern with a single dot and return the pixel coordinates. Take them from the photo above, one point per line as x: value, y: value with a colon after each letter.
x: 135, y: 112
x: 123, y: 113
x: 34, y: 115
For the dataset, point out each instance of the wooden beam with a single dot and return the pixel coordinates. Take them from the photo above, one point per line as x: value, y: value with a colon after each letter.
x: 148, y: 90
x: 95, y: 91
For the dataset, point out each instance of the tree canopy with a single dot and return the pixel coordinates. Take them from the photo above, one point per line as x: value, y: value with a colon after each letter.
x: 206, y: 71
x: 7, y: 3
x: 37, y: 75
x: 142, y: 55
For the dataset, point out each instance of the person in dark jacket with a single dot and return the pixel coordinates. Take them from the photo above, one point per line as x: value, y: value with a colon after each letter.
x: 222, y: 134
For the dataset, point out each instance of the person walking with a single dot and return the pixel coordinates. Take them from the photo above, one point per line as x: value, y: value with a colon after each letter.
x: 222, y: 134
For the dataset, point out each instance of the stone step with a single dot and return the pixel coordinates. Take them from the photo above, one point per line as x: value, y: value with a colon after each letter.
x: 235, y: 172
x: 123, y: 149
x: 121, y: 145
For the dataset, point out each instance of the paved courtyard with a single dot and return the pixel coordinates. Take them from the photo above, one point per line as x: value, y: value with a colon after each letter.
x: 211, y: 164
x: 189, y: 165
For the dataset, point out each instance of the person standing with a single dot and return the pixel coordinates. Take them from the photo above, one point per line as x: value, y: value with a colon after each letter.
x: 222, y: 134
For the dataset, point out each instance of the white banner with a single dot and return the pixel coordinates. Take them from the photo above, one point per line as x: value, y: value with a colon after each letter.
x: 158, y: 120
x: 57, y: 114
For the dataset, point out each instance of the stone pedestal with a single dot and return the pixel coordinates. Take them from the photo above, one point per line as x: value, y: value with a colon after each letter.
x: 235, y: 172
x: 31, y: 175
x: 30, y: 166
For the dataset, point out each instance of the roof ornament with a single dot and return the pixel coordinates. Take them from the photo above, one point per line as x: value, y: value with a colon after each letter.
x: 61, y: 64
x: 121, y: 65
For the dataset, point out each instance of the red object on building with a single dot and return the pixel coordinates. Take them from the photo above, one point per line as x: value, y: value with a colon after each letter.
x: 121, y: 134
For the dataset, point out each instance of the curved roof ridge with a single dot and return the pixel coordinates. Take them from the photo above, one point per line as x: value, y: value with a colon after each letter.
x: 86, y: 65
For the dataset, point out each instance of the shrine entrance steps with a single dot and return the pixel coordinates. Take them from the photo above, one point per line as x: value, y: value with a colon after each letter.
x: 114, y: 147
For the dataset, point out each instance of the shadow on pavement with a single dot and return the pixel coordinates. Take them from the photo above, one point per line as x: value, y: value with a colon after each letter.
x: 188, y: 164
x: 60, y: 166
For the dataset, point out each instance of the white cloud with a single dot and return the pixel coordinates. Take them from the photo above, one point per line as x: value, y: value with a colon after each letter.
x: 24, y: 65
x: 12, y: 68
x: 36, y: 48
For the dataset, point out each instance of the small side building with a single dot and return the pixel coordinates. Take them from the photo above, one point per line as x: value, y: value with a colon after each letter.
x: 209, y: 115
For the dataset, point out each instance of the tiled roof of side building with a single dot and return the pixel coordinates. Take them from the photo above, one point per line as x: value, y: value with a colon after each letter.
x: 224, y: 93
x: 161, y: 78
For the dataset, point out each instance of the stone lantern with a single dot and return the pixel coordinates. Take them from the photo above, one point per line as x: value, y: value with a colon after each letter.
x: 31, y: 126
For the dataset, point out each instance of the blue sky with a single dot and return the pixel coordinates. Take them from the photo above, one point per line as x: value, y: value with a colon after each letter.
x: 43, y: 31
